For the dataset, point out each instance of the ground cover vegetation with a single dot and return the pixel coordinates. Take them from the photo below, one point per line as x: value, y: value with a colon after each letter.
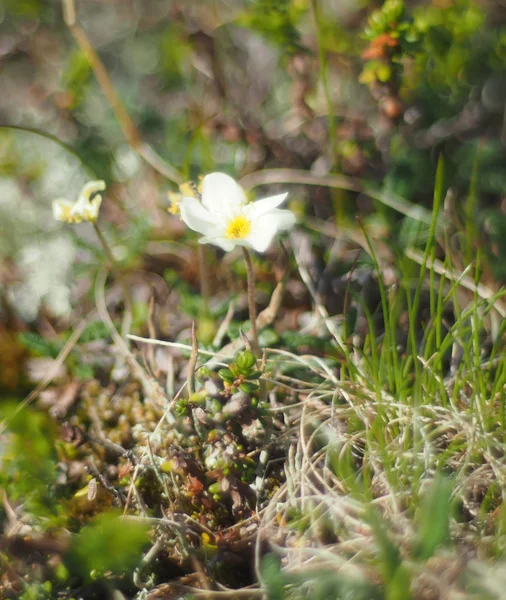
x: 252, y: 314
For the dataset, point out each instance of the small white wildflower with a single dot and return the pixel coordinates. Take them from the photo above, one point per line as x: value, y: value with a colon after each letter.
x: 227, y: 220
x: 85, y: 209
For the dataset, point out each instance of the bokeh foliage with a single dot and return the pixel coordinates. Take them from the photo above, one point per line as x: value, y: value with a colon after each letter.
x: 372, y: 91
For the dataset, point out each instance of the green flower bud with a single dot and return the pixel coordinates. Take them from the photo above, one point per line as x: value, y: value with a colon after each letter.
x: 214, y: 488
x: 246, y: 360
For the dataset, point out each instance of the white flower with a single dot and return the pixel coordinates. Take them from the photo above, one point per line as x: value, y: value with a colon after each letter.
x: 82, y: 210
x: 226, y: 219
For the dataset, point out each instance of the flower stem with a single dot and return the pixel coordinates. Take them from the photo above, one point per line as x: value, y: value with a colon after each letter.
x: 251, y: 301
x: 127, y: 316
x: 204, y: 279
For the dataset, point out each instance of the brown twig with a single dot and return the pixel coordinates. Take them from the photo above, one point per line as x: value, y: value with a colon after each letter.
x: 152, y: 334
x: 151, y: 388
x: 190, y: 382
x: 119, y: 497
x: 127, y: 125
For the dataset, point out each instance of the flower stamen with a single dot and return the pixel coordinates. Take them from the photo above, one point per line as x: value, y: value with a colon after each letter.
x: 238, y: 227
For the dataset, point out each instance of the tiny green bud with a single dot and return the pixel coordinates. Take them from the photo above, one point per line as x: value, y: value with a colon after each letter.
x: 246, y: 360
x: 214, y: 488
x: 198, y: 397
x: 203, y: 373
x: 61, y: 572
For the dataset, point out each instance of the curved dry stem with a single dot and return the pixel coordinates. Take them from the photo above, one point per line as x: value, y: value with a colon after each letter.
x: 127, y: 316
x: 151, y: 388
x: 127, y: 125
x: 300, y: 177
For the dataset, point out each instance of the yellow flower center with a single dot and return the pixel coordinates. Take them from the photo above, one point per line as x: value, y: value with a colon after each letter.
x: 238, y: 228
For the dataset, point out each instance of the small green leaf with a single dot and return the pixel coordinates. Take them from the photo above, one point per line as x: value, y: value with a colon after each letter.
x: 226, y: 375
x: 248, y: 388
x: 273, y: 577
x: 434, y: 518
x: 395, y: 574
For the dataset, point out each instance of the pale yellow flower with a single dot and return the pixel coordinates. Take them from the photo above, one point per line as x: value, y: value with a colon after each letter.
x: 85, y: 209
x: 175, y: 200
x: 186, y: 189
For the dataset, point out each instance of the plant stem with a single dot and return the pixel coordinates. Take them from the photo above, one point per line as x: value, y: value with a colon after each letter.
x: 127, y: 317
x: 251, y: 301
x: 204, y: 279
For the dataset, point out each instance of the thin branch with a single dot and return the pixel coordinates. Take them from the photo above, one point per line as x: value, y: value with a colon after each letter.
x: 222, y: 329
x: 127, y: 125
x: 151, y: 388
x: 190, y: 382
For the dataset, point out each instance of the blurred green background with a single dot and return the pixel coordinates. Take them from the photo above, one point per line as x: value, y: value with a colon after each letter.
x: 369, y: 90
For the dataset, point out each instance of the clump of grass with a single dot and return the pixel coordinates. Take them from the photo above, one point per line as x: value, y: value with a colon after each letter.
x: 394, y: 482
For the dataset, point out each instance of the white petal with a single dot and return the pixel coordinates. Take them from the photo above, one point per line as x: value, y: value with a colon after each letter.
x: 285, y: 219
x: 262, y: 234
x: 90, y: 188
x: 95, y: 206
x: 260, y: 207
x: 221, y: 194
x: 223, y: 243
x: 264, y: 228
x: 197, y: 217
